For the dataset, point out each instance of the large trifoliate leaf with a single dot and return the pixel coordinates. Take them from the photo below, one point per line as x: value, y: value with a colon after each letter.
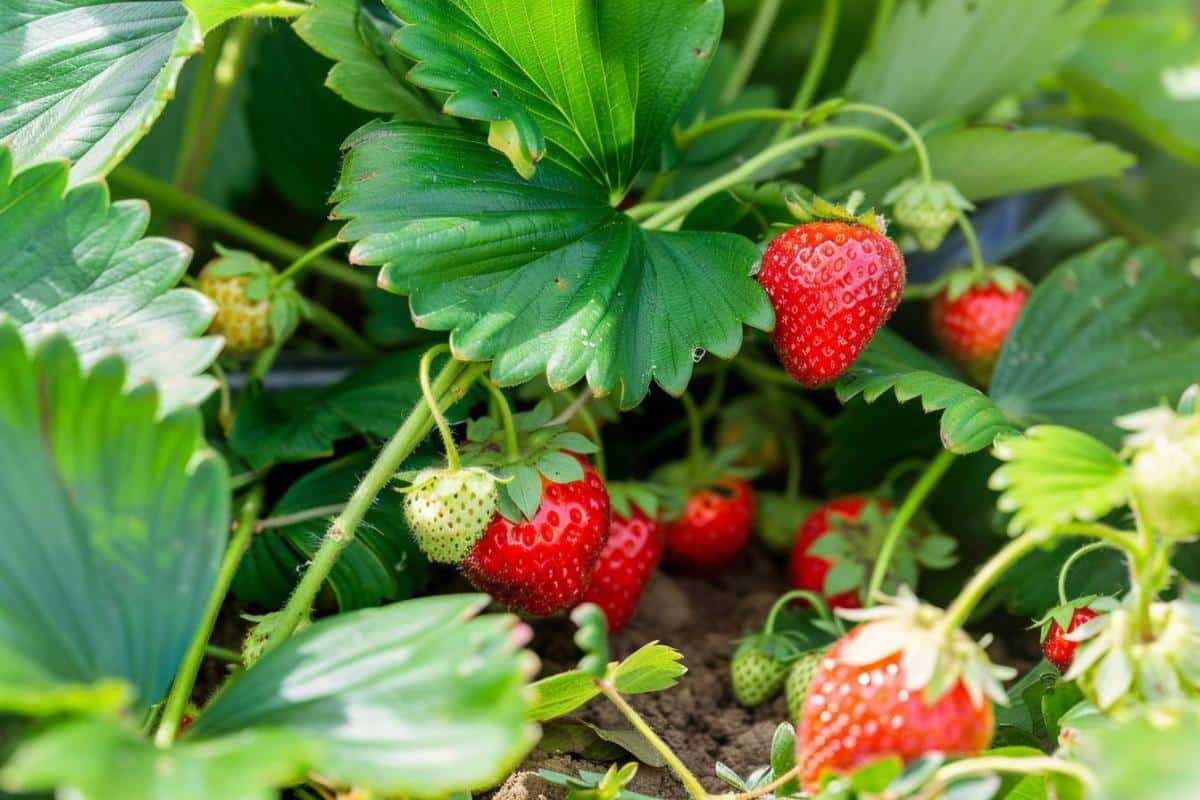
x: 1111, y: 331
x: 989, y: 162
x: 83, y: 759
x: 113, y: 524
x: 382, y: 564
x: 367, y: 71
x: 540, y: 275
x: 950, y: 59
x: 1141, y: 69
x: 76, y: 264
x: 418, y: 698
x: 593, y: 86
x: 84, y: 80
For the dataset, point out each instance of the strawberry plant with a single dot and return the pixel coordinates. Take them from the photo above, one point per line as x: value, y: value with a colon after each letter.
x: 825, y: 372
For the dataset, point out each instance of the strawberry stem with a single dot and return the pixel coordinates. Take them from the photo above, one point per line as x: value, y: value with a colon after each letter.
x: 294, y: 269
x: 900, y: 122
x: 439, y: 419
x: 1012, y: 765
x: 185, y: 678
x: 818, y: 60
x: 817, y: 601
x: 752, y: 48
x: 916, y: 496
x: 1070, y: 562
x: 695, y: 435
x: 589, y: 423
x: 512, y: 450
x: 968, y: 231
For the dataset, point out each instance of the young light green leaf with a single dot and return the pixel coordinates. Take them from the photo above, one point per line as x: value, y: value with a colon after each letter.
x: 783, y: 758
x: 91, y: 77
x: 541, y: 275
x: 594, y: 87
x: 651, y: 668
x: 212, y: 13
x: 382, y: 675
x: 103, y: 498
x: 591, y: 637
x: 1053, y: 475
x: 77, y: 265
x: 561, y: 694
x: 79, y: 756
x: 980, y: 52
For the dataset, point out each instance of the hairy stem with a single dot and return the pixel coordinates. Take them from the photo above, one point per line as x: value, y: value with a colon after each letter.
x: 185, y: 679
x: 450, y: 385
x: 168, y: 198
x: 431, y: 402
x: 283, y: 520
x: 899, y: 524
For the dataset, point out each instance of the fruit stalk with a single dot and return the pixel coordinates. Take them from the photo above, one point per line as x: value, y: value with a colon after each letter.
x: 916, y: 497
x: 968, y: 232
x: 986, y: 577
x: 900, y: 122
x: 756, y: 37
x: 1063, y: 599
x: 1010, y: 765
x: 512, y: 448
x: 185, y: 679
x: 695, y: 434
x: 819, y: 59
x: 450, y: 385
x: 298, y: 265
x: 685, y: 775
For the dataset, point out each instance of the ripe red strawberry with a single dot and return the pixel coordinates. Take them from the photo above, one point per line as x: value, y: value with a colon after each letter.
x: 1058, y: 650
x: 857, y: 712
x: 971, y: 326
x: 629, y: 558
x: 808, y: 571
x: 833, y: 285
x: 714, y: 527
x: 543, y: 566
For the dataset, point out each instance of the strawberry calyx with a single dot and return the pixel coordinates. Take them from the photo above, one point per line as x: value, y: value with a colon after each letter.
x: 1062, y: 613
x: 852, y: 544
x: 654, y: 500
x: 818, y: 209
x: 1165, y: 467
x: 546, y: 450
x: 286, y: 305
x: 934, y: 657
x: 954, y: 283
x: 1125, y: 662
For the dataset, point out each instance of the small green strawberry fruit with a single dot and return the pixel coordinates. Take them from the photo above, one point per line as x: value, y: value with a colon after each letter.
x: 1166, y: 470
x: 927, y: 211
x: 757, y: 671
x: 449, y: 510
x: 795, y: 688
x: 254, y: 308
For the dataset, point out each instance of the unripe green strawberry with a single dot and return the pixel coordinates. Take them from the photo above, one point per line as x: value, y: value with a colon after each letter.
x: 795, y: 688
x: 757, y: 672
x: 1166, y: 470
x: 254, y: 309
x: 927, y: 211
x: 449, y: 510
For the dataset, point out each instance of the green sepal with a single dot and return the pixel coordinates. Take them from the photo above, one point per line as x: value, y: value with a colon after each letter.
x: 1062, y: 615
x: 818, y: 209
x: 238, y: 263
x: 957, y: 282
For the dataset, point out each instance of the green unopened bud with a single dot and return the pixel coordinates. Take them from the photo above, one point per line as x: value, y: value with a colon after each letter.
x: 927, y: 211
x: 1166, y: 470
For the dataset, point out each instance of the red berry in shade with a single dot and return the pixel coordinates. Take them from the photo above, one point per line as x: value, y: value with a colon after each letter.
x: 971, y: 327
x: 714, y: 527
x: 859, y: 712
x: 543, y: 565
x: 629, y: 558
x: 833, y: 285
x: 1058, y: 650
x: 809, y: 571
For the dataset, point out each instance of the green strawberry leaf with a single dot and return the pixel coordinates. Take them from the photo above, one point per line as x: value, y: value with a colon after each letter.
x: 524, y: 487
x: 91, y: 77
x: 875, y: 776
x: 593, y: 87
x: 981, y: 51
x: 970, y: 422
x: 989, y: 162
x: 104, y: 498
x: 363, y: 73
x: 73, y: 263
x: 382, y: 564
x: 379, y: 676
x: 1134, y: 68
x: 573, y: 442
x: 651, y: 668
x: 597, y: 744
x: 544, y: 275
x: 81, y: 754
x: 1053, y: 475
x: 1113, y: 330
x: 561, y: 694
x: 212, y: 13
x: 1129, y: 756
x: 783, y: 758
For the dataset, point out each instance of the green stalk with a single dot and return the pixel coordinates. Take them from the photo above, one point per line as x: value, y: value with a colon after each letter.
x: 512, y: 449
x: 336, y: 329
x: 756, y: 37
x: 198, y: 100
x: 1070, y: 562
x: 450, y: 385
x: 916, y: 496
x: 303, y: 261
x: 900, y: 122
x: 431, y: 401
x: 192, y: 166
x: 678, y: 209
x: 1010, y: 765
x: 815, y: 70
x: 685, y: 775
x: 745, y: 116
x: 968, y: 232
x: 589, y: 423
x: 168, y: 198
x: 185, y: 679
x: 883, y: 16
x: 986, y: 577
x: 695, y: 436
x: 223, y: 654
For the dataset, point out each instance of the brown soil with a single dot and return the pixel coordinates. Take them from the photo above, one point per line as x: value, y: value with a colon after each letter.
x: 699, y: 718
